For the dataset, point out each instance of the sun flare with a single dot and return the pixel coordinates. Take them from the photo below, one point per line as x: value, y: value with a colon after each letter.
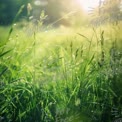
x: 87, y: 4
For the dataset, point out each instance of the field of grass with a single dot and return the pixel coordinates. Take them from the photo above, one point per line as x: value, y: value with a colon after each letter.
x: 60, y: 75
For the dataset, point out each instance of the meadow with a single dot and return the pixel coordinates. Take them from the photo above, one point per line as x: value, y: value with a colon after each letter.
x: 60, y: 74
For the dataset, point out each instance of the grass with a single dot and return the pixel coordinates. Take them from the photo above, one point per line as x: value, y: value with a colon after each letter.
x: 61, y: 75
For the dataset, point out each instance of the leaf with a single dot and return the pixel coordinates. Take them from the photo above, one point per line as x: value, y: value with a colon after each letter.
x: 113, y: 93
x: 3, y: 71
x: 5, y: 53
x: 83, y: 36
x: 91, y: 59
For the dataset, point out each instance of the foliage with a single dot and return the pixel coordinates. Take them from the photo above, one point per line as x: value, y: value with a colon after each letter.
x: 8, y: 10
x: 65, y: 74
x: 107, y: 11
x: 55, y: 9
x: 55, y: 79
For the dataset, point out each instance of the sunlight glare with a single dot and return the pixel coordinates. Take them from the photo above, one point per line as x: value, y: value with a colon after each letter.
x: 87, y: 4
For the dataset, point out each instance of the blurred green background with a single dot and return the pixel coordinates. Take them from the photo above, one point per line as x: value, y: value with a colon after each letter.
x: 71, y: 11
